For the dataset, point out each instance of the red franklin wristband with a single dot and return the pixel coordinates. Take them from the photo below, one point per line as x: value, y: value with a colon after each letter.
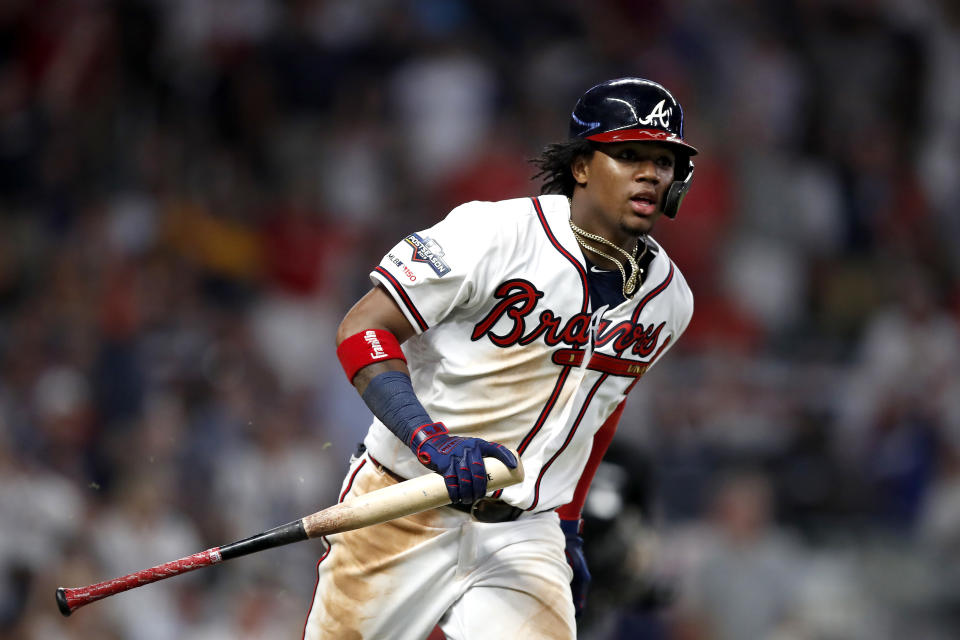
x: 367, y: 347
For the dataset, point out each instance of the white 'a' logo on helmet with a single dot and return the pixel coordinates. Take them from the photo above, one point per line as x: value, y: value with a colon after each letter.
x: 658, y: 113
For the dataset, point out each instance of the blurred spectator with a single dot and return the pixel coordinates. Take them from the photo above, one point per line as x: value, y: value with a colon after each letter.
x: 939, y: 525
x: 41, y: 512
x: 139, y: 531
x: 908, y: 353
x: 744, y: 575
x: 445, y: 103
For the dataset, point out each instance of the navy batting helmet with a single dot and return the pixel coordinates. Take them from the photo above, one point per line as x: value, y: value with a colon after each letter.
x: 637, y: 109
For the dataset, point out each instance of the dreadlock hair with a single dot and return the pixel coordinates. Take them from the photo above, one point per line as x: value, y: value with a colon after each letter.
x: 554, y: 164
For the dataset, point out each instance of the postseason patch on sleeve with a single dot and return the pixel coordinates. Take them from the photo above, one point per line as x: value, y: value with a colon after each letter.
x: 429, y: 251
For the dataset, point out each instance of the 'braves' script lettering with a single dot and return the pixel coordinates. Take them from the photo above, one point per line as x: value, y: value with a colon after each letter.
x: 517, y: 300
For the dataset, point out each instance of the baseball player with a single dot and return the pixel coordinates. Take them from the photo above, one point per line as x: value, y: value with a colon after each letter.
x: 524, y: 323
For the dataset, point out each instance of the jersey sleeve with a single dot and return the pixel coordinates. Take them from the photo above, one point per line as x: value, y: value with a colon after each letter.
x: 429, y: 273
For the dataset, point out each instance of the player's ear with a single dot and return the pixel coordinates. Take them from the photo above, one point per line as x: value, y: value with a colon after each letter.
x: 580, y: 169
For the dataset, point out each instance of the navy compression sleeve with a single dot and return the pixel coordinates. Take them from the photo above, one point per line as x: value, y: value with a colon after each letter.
x: 391, y: 398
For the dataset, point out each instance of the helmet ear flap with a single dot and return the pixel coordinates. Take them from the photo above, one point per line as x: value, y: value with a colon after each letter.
x: 676, y: 191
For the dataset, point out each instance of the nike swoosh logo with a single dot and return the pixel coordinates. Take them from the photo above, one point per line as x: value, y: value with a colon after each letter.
x: 598, y: 270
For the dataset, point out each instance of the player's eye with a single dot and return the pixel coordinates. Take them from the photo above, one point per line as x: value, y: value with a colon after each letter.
x: 665, y: 161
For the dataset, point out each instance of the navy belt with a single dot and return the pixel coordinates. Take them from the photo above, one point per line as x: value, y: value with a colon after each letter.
x: 490, y: 510
x: 487, y: 510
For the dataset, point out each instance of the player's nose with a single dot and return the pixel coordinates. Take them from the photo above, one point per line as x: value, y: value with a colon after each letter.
x: 646, y: 170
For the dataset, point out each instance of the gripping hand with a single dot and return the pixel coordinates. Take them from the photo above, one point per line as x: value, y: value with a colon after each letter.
x: 577, y: 562
x: 458, y: 460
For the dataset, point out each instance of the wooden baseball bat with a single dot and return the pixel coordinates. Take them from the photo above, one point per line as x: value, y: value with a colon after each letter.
x: 396, y: 501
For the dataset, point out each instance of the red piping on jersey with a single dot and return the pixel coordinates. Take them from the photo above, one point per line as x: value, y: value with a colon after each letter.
x: 597, y: 361
x: 566, y: 254
x: 350, y: 481
x: 343, y: 495
x: 315, y: 586
x: 601, y: 442
x: 561, y: 379
x: 573, y: 430
x: 653, y: 294
x: 408, y: 303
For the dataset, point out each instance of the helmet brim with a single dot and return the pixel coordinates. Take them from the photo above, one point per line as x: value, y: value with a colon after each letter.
x: 645, y: 135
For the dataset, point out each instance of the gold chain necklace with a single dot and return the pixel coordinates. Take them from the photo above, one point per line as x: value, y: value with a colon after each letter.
x: 636, y: 273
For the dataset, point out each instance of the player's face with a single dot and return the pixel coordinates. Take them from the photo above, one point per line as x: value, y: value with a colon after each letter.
x: 624, y: 187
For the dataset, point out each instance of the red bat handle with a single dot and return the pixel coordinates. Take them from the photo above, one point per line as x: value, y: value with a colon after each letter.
x: 69, y: 600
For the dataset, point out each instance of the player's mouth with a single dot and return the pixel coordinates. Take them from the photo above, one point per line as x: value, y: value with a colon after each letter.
x: 644, y: 204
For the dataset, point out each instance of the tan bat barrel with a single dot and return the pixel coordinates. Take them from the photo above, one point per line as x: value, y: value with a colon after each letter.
x: 403, y: 499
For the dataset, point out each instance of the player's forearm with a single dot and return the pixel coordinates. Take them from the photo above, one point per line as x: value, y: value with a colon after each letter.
x: 374, y: 363
x: 363, y: 377
x: 391, y: 398
x: 368, y: 346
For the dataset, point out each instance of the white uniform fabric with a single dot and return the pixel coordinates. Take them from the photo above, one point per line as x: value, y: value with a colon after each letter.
x: 479, y: 581
x: 508, y: 347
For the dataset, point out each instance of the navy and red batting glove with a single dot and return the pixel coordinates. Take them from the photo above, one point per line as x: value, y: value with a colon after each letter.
x: 458, y: 460
x: 578, y: 562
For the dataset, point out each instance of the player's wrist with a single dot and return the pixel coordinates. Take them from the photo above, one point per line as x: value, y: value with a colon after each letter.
x: 391, y: 398
x: 422, y: 435
x: 425, y: 432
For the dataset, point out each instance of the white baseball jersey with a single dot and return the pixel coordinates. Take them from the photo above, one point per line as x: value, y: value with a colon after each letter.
x: 508, y: 348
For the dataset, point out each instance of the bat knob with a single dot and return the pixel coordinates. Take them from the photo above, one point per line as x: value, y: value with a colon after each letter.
x: 62, y: 601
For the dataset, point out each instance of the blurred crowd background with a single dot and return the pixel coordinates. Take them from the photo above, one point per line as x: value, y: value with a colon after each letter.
x: 192, y: 193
